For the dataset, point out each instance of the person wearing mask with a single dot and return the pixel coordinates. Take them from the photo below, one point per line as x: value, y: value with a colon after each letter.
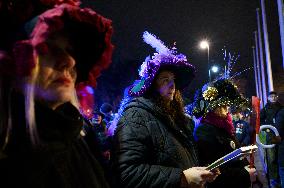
x: 153, y: 144
x: 214, y: 135
x: 41, y: 145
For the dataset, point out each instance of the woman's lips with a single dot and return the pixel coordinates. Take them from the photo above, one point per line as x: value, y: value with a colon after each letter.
x: 62, y: 80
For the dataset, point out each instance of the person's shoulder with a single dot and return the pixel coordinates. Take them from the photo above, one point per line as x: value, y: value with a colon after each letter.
x: 135, y: 111
x: 188, y: 118
x: 204, y: 128
x: 134, y: 121
x: 134, y: 114
x: 138, y: 105
x: 189, y: 122
x: 204, y: 132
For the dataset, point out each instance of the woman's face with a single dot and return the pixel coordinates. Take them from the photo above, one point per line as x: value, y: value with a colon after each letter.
x: 97, y: 119
x: 165, y: 85
x: 56, y: 79
x: 222, y: 111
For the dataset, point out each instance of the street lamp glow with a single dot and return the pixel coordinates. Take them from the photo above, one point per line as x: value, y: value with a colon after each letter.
x: 214, y: 69
x: 204, y: 44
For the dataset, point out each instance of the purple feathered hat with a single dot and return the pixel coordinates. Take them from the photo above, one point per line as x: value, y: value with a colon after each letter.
x: 164, y: 58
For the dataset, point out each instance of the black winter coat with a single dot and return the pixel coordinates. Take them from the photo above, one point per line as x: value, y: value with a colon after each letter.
x: 213, y: 143
x: 149, y: 148
x: 62, y: 160
x: 267, y: 114
x: 280, y: 127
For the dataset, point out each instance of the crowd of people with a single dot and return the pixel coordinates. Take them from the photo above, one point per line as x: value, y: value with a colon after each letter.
x: 48, y: 139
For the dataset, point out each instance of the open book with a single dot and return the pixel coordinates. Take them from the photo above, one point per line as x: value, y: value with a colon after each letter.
x: 234, y: 154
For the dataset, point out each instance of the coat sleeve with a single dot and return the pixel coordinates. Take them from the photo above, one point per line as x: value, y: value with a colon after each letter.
x: 134, y: 159
x: 279, y: 122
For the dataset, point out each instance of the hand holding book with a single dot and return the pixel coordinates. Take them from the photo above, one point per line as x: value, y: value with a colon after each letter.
x: 246, y: 150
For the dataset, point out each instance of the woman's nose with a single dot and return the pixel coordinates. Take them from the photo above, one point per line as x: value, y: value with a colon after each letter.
x: 65, y: 61
x: 172, y: 84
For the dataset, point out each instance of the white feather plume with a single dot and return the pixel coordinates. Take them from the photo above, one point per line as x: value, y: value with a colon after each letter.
x: 155, y: 43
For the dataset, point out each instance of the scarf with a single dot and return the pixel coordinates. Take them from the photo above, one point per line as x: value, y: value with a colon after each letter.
x: 220, y: 122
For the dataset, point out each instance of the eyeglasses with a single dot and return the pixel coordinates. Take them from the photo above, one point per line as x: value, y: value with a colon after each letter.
x: 273, y: 96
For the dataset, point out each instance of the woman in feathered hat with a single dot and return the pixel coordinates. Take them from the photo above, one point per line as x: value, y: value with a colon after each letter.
x: 153, y: 144
x: 40, y: 125
x: 214, y: 135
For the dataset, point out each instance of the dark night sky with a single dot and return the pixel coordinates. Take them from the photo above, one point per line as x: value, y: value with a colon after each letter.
x: 227, y: 23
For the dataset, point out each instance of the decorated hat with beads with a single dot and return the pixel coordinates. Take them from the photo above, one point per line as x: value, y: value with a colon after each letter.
x: 163, y: 59
x: 222, y: 92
